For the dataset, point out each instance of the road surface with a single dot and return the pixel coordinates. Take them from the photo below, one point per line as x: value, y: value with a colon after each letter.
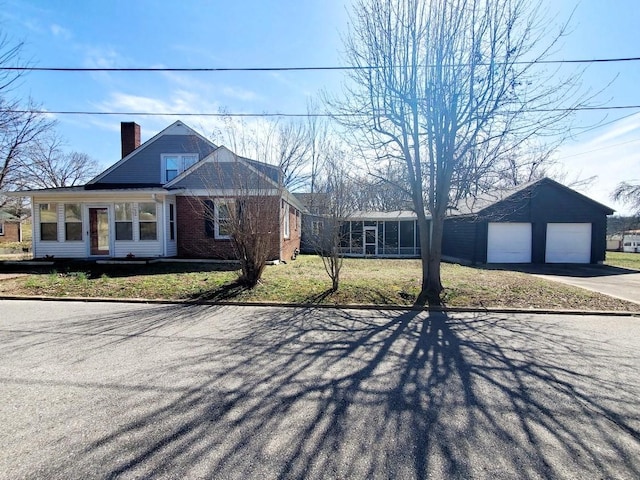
x: 100, y: 390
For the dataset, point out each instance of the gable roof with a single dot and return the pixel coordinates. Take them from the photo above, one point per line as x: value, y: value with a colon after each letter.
x: 223, y: 169
x: 481, y: 203
x: 176, y: 128
x: 7, y: 217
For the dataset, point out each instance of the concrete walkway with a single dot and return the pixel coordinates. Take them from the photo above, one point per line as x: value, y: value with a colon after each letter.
x: 615, y: 282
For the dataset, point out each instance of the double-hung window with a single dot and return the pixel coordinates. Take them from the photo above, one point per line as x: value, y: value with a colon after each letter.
x: 285, y: 213
x: 49, y: 222
x: 222, y: 215
x: 148, y: 219
x: 218, y: 218
x: 172, y: 221
x: 175, y: 164
x: 72, y: 222
x: 124, y: 221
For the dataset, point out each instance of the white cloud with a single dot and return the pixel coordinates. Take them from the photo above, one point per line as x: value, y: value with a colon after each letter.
x: 59, y: 31
x: 239, y: 93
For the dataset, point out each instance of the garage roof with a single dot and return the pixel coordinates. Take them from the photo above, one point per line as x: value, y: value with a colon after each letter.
x: 476, y: 205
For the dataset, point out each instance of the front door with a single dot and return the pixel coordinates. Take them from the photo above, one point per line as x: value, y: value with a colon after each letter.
x: 99, y: 231
x: 370, y: 241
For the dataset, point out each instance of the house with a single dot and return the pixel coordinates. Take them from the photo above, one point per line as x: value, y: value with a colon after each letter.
x: 631, y: 241
x: 614, y: 243
x: 171, y: 196
x: 539, y: 222
x: 9, y: 228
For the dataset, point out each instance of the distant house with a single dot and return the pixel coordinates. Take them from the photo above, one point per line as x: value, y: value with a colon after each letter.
x: 9, y: 228
x: 631, y: 241
x: 614, y: 243
x: 170, y: 196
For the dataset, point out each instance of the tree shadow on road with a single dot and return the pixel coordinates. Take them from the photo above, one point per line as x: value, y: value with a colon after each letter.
x: 306, y: 393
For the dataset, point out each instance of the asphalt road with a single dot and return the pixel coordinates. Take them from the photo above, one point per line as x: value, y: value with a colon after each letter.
x: 97, y: 390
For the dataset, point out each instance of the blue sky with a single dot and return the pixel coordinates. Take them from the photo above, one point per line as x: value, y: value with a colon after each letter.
x: 248, y: 33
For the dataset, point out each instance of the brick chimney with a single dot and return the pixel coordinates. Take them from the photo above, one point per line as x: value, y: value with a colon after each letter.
x: 130, y: 136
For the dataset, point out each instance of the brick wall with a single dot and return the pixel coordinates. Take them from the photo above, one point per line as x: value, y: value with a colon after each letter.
x: 11, y: 232
x: 193, y: 241
x: 289, y: 245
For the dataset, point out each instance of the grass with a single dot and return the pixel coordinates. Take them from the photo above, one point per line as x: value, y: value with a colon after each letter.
x: 623, y: 260
x: 364, y: 281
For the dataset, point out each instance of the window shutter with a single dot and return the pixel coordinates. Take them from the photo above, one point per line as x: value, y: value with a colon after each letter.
x: 209, y: 220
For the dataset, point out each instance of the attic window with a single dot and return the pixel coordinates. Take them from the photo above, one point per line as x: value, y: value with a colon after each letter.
x: 174, y: 164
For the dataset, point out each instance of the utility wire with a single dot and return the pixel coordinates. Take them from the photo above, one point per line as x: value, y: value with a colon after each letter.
x: 291, y: 69
x: 267, y: 114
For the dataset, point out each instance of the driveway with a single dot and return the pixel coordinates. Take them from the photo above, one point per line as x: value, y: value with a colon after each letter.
x: 613, y: 281
x: 94, y: 390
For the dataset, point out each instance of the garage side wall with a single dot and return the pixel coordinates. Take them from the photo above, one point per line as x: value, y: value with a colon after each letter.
x: 460, y: 240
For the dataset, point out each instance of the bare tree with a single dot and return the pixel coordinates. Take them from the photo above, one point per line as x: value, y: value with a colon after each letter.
x: 20, y: 124
x: 47, y: 165
x: 296, y: 146
x: 448, y: 88
x: 629, y: 194
x: 335, y: 191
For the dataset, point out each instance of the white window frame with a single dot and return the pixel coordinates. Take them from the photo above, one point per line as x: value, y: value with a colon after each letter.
x: 316, y: 227
x: 66, y: 221
x: 1, y: 228
x: 230, y: 203
x: 182, y: 164
x: 57, y: 222
x: 140, y: 222
x: 171, y: 220
x: 286, y: 227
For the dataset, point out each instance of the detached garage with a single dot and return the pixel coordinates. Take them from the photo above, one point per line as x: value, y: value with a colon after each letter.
x: 540, y: 222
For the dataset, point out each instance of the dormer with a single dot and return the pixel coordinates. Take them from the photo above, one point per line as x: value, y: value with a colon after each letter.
x: 156, y: 161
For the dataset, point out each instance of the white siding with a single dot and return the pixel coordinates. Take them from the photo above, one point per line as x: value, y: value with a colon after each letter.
x: 146, y: 248
x: 172, y: 246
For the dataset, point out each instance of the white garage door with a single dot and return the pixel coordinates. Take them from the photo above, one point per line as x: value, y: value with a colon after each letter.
x: 509, y: 243
x: 568, y: 243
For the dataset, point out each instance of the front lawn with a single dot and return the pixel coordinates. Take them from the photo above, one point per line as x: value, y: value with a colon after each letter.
x: 303, y: 281
x: 623, y: 260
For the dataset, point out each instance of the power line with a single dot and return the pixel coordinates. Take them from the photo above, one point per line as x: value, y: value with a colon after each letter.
x: 606, y: 147
x: 268, y: 114
x: 291, y: 69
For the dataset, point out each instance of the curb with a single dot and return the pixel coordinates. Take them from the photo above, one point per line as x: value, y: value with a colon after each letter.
x: 149, y: 301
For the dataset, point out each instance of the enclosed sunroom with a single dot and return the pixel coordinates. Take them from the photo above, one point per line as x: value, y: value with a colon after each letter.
x: 380, y: 234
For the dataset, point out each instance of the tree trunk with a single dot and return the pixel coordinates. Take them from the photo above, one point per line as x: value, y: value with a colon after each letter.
x: 425, y: 248
x: 434, y: 282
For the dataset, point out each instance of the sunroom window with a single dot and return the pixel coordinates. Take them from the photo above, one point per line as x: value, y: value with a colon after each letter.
x: 49, y: 222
